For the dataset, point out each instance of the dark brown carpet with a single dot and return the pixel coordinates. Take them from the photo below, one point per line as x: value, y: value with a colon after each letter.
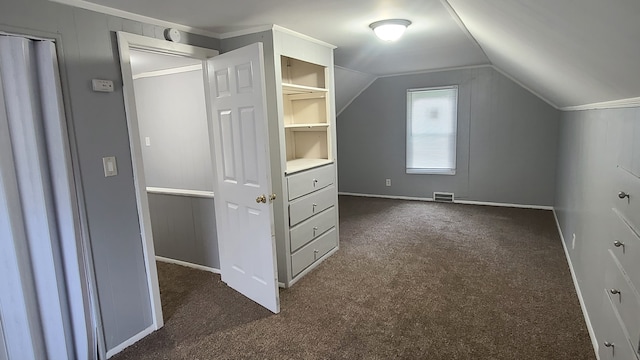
x: 412, y: 280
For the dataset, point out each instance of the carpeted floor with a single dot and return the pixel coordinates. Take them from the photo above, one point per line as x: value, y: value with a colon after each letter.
x: 412, y: 280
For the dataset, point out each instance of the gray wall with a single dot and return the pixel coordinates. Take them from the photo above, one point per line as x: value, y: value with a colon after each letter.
x: 184, y: 228
x: 349, y: 84
x: 87, y: 50
x: 589, y: 151
x: 172, y: 113
x: 506, y: 145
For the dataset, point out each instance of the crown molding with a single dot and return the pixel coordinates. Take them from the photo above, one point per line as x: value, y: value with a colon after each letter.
x: 135, y: 17
x: 613, y: 104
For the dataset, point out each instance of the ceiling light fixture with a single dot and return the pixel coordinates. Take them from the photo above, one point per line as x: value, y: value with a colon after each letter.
x: 391, y: 29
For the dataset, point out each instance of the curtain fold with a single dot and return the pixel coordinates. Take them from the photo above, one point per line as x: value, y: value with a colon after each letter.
x: 45, y: 204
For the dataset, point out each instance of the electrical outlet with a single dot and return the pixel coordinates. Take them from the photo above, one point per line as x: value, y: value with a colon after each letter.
x: 387, y: 182
x: 573, y: 241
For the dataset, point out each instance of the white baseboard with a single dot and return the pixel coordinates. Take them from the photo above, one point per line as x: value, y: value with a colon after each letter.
x: 467, y: 202
x: 134, y: 339
x: 188, y: 264
x: 592, y: 333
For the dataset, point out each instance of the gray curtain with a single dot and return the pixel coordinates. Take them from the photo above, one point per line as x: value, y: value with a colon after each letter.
x: 43, y: 303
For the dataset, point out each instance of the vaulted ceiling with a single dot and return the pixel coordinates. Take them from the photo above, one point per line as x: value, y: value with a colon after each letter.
x: 569, y: 52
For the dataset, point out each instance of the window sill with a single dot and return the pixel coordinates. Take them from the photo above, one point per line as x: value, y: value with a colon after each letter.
x: 431, y: 171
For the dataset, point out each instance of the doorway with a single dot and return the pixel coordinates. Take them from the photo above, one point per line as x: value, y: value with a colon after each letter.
x: 151, y: 60
x: 235, y: 102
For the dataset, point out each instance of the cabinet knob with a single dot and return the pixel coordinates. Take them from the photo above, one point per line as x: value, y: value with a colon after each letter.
x: 618, y: 244
x: 614, y: 291
x: 623, y: 195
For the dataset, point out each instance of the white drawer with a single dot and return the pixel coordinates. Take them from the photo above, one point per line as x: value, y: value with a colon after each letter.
x: 306, y: 182
x: 623, y: 297
x: 313, y: 251
x: 314, y: 203
x: 312, y: 228
x: 613, y: 343
x: 625, y: 244
x: 629, y: 206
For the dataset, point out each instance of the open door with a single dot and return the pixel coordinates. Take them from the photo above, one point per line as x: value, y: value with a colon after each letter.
x: 238, y: 125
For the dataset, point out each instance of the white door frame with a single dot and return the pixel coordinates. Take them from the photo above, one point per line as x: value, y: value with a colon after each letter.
x: 127, y: 42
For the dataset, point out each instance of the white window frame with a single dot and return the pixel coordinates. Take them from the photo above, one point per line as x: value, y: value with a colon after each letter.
x: 431, y: 171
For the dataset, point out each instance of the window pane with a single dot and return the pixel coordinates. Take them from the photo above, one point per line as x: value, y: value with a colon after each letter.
x: 431, y: 130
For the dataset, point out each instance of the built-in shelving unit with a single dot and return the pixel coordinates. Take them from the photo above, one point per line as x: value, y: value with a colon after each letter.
x: 306, y: 109
x: 302, y: 147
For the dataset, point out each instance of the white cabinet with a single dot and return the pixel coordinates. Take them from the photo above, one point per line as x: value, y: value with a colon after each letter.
x: 302, y: 147
x: 620, y: 338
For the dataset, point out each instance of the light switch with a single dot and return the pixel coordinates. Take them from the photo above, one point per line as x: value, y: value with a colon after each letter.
x: 147, y: 141
x: 110, y: 166
x: 102, y: 85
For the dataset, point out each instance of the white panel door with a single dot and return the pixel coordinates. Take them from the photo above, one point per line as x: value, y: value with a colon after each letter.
x: 241, y: 152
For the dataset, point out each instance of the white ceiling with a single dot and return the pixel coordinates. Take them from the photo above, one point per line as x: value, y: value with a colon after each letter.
x: 569, y: 52
x: 147, y: 61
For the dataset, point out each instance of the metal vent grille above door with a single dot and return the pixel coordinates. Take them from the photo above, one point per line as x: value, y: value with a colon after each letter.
x: 443, y: 197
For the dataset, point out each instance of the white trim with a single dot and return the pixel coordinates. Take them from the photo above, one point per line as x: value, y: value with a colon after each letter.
x: 613, y: 104
x: 127, y: 41
x: 180, y: 192
x: 187, y: 264
x: 359, y: 92
x: 303, y: 36
x: 549, y: 102
x: 252, y: 30
x: 136, y: 17
x: 273, y: 27
x: 418, y: 72
x: 454, y: 14
x: 172, y: 71
x: 463, y: 202
x: 132, y: 340
x: 592, y: 334
x: 396, y: 197
x: 519, y: 206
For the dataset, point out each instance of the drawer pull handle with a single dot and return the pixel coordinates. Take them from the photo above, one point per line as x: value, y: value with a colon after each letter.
x: 608, y: 344
x: 315, y: 182
x: 315, y: 254
x: 315, y: 228
x: 623, y: 195
x: 614, y: 291
x: 314, y: 207
x: 618, y: 244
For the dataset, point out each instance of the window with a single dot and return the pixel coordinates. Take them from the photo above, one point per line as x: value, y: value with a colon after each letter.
x: 432, y: 121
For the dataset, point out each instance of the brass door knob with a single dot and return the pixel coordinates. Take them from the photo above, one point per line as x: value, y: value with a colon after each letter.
x: 272, y: 197
x: 261, y: 199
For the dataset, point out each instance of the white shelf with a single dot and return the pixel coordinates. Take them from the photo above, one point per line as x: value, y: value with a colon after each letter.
x: 289, y: 89
x: 180, y: 192
x: 309, y: 127
x: 303, y: 164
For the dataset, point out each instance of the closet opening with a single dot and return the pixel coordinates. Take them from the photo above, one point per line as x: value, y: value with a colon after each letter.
x: 165, y: 98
